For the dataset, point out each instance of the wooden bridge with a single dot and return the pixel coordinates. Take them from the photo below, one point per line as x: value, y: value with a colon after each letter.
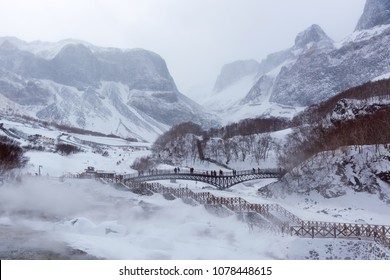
x: 221, y: 180
x: 276, y: 218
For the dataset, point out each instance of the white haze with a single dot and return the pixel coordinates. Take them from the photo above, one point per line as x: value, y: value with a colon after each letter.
x: 195, y: 37
x: 45, y: 218
x: 113, y: 224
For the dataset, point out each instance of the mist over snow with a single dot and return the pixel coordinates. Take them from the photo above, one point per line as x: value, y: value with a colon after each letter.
x: 113, y: 224
x: 106, y: 223
x: 71, y: 110
x: 43, y: 217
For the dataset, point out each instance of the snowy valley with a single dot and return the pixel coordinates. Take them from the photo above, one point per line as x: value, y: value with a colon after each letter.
x: 80, y: 124
x: 53, y: 216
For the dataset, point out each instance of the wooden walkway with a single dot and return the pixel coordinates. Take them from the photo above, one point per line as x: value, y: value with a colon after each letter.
x: 278, y: 218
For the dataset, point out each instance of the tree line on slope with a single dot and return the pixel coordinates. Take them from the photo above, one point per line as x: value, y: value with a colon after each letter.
x: 313, y: 134
x: 188, y: 142
x: 241, y: 128
x: 317, y: 112
x: 11, y: 155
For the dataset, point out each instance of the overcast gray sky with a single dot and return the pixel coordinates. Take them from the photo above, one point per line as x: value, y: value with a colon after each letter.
x: 195, y: 37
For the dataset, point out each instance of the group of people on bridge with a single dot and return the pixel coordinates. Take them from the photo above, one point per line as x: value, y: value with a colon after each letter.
x: 191, y: 170
x: 211, y: 173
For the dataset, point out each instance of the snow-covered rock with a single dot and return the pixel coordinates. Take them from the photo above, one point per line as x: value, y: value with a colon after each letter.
x: 315, y: 68
x: 349, y: 109
x: 376, y: 12
x: 125, y: 92
x: 335, y: 173
x: 313, y: 34
x: 322, y: 71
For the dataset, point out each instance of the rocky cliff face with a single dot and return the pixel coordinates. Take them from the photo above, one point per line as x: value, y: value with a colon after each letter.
x: 127, y: 92
x: 319, y: 73
x: 78, y: 66
x: 316, y: 68
x: 376, y: 12
x: 313, y: 34
x: 336, y: 173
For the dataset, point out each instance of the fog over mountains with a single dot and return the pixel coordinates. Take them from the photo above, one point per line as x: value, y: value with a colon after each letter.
x: 313, y: 69
x: 132, y: 94
x: 126, y: 92
x: 66, y: 193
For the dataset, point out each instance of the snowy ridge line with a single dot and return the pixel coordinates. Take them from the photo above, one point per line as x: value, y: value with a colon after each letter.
x: 294, y: 226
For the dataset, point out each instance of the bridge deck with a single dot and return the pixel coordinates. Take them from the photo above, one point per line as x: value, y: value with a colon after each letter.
x: 221, y: 180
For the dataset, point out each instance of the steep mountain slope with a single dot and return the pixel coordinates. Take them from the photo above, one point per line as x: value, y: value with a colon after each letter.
x: 126, y: 92
x: 340, y: 146
x: 316, y: 68
x: 317, y: 75
x: 337, y: 173
x: 376, y: 12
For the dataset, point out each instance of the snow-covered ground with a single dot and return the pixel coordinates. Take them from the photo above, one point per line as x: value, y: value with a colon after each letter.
x: 107, y: 223
x: 53, y: 164
x: 362, y: 208
x: 120, y: 153
x: 44, y: 217
x: 382, y: 77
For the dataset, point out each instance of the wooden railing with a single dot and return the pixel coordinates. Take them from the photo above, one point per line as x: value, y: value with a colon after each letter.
x: 291, y: 224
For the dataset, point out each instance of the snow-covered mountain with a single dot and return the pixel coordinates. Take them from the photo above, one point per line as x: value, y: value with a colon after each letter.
x: 234, y: 72
x: 376, y: 12
x: 42, y: 217
x: 125, y: 92
x: 312, y: 70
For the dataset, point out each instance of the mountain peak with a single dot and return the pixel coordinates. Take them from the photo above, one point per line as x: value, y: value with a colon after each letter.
x: 313, y: 34
x: 376, y: 12
x: 74, y: 51
x: 8, y: 46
